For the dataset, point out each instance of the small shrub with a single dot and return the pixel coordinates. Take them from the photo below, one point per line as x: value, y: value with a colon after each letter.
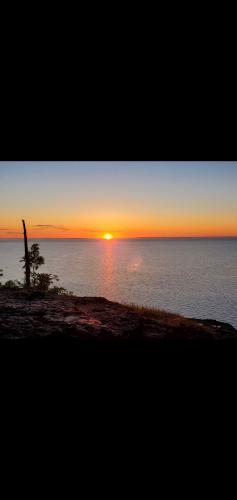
x: 43, y: 281
x: 12, y: 284
x: 59, y: 290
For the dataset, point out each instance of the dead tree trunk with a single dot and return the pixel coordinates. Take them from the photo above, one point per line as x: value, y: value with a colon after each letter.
x: 27, y: 260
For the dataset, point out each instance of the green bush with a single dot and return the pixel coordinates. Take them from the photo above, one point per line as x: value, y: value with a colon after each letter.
x: 39, y: 281
x: 59, y: 290
x: 12, y: 284
x: 43, y: 281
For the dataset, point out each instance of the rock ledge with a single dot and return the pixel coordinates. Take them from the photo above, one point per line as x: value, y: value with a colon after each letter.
x: 34, y: 314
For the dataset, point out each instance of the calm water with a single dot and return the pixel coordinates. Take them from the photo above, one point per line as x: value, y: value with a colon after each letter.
x: 194, y: 277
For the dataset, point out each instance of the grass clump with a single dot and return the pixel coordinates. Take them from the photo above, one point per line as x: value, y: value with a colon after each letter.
x: 164, y: 317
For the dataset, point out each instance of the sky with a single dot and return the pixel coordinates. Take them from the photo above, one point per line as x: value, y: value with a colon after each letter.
x: 126, y: 199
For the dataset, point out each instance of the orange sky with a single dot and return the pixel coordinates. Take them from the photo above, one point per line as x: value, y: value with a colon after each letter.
x: 156, y: 199
x: 165, y: 227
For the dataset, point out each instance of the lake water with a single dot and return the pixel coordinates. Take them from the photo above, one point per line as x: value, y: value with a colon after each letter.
x: 196, y: 277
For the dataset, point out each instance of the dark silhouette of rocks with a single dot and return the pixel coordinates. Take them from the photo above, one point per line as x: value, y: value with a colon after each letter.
x: 35, y: 314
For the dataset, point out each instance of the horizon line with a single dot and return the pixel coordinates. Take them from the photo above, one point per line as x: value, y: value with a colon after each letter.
x: 120, y: 238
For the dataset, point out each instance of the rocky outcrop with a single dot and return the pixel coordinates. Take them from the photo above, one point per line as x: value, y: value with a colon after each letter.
x: 33, y: 314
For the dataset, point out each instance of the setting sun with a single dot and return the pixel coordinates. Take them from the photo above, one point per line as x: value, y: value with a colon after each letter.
x: 108, y: 236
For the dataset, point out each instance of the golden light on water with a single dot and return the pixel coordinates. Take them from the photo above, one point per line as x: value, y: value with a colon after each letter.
x: 108, y: 236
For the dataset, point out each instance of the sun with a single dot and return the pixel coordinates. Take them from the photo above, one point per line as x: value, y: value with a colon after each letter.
x: 108, y: 236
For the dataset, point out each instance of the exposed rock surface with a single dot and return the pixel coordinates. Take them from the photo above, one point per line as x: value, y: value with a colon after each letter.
x: 35, y: 314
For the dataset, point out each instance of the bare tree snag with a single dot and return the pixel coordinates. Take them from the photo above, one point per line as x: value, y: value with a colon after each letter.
x: 27, y: 260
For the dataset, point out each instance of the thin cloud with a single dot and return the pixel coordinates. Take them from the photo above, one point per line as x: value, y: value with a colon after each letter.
x: 51, y: 226
x: 100, y: 230
x: 93, y: 230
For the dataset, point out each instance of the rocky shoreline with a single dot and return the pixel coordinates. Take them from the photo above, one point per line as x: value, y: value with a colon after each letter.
x: 46, y: 315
